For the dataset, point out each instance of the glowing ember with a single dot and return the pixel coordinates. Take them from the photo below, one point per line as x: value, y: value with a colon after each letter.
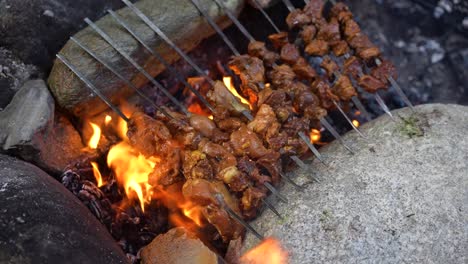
x: 194, y: 213
x: 269, y: 251
x: 107, y: 120
x: 132, y: 170
x: 94, y: 141
x: 228, y: 83
x: 356, y: 123
x: 196, y: 108
x: 315, y: 136
x: 97, y: 174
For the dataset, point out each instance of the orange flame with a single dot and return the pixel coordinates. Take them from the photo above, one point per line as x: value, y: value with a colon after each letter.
x: 315, y: 135
x: 97, y: 174
x: 194, y: 213
x: 132, y: 170
x: 96, y: 136
x: 267, y: 252
x: 228, y: 83
x: 107, y: 120
x: 356, y: 123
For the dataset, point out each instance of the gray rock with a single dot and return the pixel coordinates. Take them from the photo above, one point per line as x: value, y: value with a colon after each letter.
x: 13, y: 73
x: 31, y: 129
x: 42, y: 222
x: 402, y: 198
x: 179, y: 20
x: 36, y: 30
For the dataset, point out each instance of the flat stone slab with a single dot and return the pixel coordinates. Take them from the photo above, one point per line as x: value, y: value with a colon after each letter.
x: 42, y: 222
x: 402, y: 198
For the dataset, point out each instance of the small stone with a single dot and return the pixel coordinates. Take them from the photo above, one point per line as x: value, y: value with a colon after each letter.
x: 436, y: 57
x: 48, y: 13
x: 465, y: 23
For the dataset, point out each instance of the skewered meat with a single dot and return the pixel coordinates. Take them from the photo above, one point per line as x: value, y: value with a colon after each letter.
x: 364, y: 47
x: 344, y: 88
x: 250, y: 70
x: 271, y: 163
x: 329, y: 66
x: 197, y: 166
x: 308, y: 33
x: 223, y: 157
x: 250, y: 168
x: 221, y: 97
x: 245, y: 142
x: 303, y: 70
x: 323, y: 91
x: 203, y: 124
x: 340, y: 48
x: 278, y: 100
x: 258, y: 49
x: 282, y: 76
x: 290, y: 53
x: 279, y: 39
x: 167, y: 171
x: 147, y: 135
x: 341, y: 12
x: 314, y: 9
x: 384, y: 71
x: 250, y: 202
x: 297, y: 18
x: 371, y: 84
x: 265, y: 119
x: 351, y: 29
x: 329, y: 32
x: 317, y: 47
x: 352, y: 67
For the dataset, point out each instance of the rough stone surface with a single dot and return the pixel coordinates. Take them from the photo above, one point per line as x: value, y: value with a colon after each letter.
x: 402, y: 198
x: 36, y: 30
x: 13, y: 73
x: 177, y: 246
x: 179, y: 20
x: 31, y: 129
x: 42, y: 222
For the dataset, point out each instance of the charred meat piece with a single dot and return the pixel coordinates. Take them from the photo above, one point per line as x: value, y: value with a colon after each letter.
x: 364, y: 47
x: 385, y: 70
x: 203, y: 124
x: 371, y: 84
x: 221, y: 97
x: 258, y: 49
x: 272, y: 163
x: 245, y: 142
x: 290, y: 53
x: 314, y: 9
x: 317, y: 47
x: 330, y: 67
x: 265, y: 122
x: 147, y: 135
x: 351, y: 29
x: 197, y: 166
x: 308, y: 33
x: 303, y: 70
x: 250, y: 69
x: 251, y: 201
x: 230, y: 124
x: 340, y: 48
x: 344, y: 88
x: 352, y: 67
x: 282, y: 76
x: 234, y: 178
x: 279, y: 101
x: 279, y: 39
x: 167, y: 171
x: 341, y: 12
x: 223, y: 157
x: 249, y: 167
x: 297, y: 18
x: 329, y: 32
x: 323, y: 91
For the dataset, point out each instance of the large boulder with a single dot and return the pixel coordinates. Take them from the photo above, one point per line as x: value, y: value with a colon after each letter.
x: 181, y: 22
x: 31, y: 129
x: 403, y: 197
x: 42, y: 222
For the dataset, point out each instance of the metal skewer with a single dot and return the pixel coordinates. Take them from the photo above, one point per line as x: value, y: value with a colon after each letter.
x: 136, y: 65
x: 162, y: 60
x: 163, y: 36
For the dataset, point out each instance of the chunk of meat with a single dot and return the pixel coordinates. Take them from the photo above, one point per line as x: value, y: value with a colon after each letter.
x: 279, y: 39
x: 303, y: 70
x: 385, y: 70
x: 297, y: 18
x: 230, y: 124
x: 249, y: 69
x: 282, y: 76
x: 308, y: 33
x: 368, y: 53
x: 340, y: 48
x: 245, y: 142
x: 148, y: 135
x: 344, y: 88
x: 251, y: 201
x: 314, y: 9
x: 258, y: 49
x: 197, y: 166
x: 352, y: 67
x: 322, y: 89
x: 317, y: 47
x: 329, y: 32
x: 290, y: 53
x: 250, y: 168
x: 167, y: 172
x: 371, y: 84
x: 221, y: 97
x: 341, y: 12
x: 223, y: 157
x: 365, y: 49
x: 330, y: 67
x: 351, y: 29
x: 265, y: 119
x: 203, y: 124
x: 272, y: 163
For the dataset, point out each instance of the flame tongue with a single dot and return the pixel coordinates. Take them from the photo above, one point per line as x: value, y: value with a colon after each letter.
x: 94, y: 140
x: 268, y: 251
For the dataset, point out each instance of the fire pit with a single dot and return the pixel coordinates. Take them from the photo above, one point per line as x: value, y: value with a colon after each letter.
x: 197, y: 152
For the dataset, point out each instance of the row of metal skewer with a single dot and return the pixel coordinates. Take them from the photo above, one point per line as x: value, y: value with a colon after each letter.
x: 173, y: 72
